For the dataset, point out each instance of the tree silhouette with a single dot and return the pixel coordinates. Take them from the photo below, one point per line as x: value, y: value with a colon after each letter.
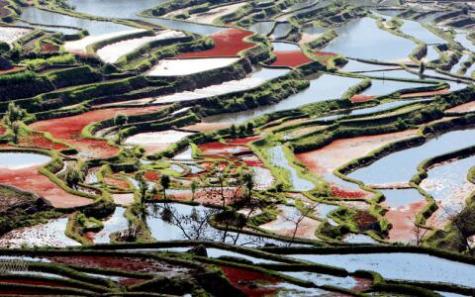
x: 165, y: 183
x: 120, y: 120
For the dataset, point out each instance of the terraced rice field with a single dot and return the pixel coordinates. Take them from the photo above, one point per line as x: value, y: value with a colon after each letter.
x: 237, y: 148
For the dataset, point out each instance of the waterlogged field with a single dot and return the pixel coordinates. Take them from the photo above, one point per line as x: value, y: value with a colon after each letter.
x: 237, y: 148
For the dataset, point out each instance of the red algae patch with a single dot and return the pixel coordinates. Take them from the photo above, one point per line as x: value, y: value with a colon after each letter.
x: 425, y: 94
x: 228, y: 43
x: 242, y: 141
x: 361, y: 98
x: 31, y: 180
x: 230, y: 147
x: 217, y: 148
x: 247, y: 281
x: 151, y: 175
x: 362, y: 284
x: 68, y: 129
x: 402, y: 220
x: 117, y: 182
x: 347, y: 193
x: 208, y: 196
x: 290, y: 59
x: 251, y: 160
x: 120, y: 263
x: 20, y: 281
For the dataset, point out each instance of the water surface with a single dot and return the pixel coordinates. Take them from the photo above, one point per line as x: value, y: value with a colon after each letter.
x: 279, y: 159
x: 363, y: 39
x: 14, y: 160
x: 402, y: 266
x: 401, y: 166
x: 35, y: 15
x: 417, y: 30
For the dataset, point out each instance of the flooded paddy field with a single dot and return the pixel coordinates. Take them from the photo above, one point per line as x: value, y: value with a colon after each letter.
x: 236, y: 148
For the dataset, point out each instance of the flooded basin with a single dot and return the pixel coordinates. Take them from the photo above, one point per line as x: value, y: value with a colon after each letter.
x: 175, y: 221
x: 417, y: 30
x: 116, y: 223
x: 278, y: 158
x: 35, y: 15
x: 404, y: 205
x: 281, y: 30
x: 403, y: 164
x: 12, y: 34
x: 325, y: 160
x: 363, y: 39
x: 291, y: 223
x: 154, y: 142
x: 112, y: 52
x: 51, y: 234
x: 114, y: 8
x: 177, y: 67
x: 447, y: 183
x: 17, y: 160
x: 401, y: 266
x: 253, y: 80
x: 263, y: 28
x: 80, y: 47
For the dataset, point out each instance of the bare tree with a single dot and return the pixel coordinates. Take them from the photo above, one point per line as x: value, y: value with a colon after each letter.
x: 303, y: 210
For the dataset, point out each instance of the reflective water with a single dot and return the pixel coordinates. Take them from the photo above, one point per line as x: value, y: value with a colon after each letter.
x: 462, y: 38
x: 130, y: 9
x: 13, y: 160
x: 363, y: 39
x: 281, y: 30
x: 262, y: 28
x: 35, y: 15
x: 323, y: 88
x: 175, y: 221
x: 383, y: 86
x: 448, y: 184
x: 116, y: 223
x: 114, y: 8
x: 401, y: 197
x: 279, y: 159
x: 401, y: 266
x: 401, y: 166
x: 417, y: 30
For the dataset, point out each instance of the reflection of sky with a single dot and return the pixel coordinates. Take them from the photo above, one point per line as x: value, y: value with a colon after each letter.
x: 35, y: 15
x: 363, y: 39
x: 114, y: 8
x: 401, y: 266
x: 449, y: 180
x: 401, y: 166
x: 130, y: 9
x: 191, y: 222
x: 420, y: 32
